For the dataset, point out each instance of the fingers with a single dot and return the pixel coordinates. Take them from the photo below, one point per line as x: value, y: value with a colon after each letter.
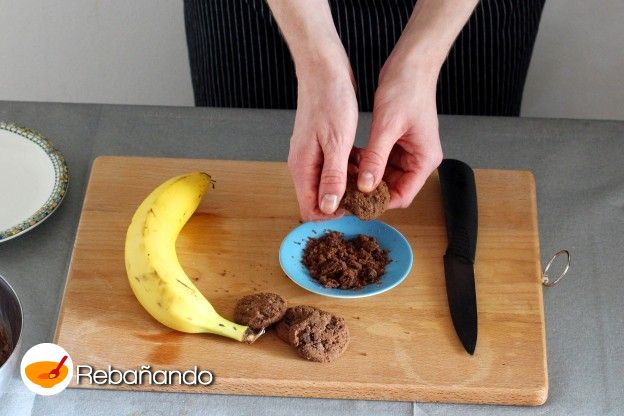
x: 355, y: 155
x: 333, y: 178
x: 374, y: 157
x: 305, y: 170
x: 405, y: 184
x: 354, y: 161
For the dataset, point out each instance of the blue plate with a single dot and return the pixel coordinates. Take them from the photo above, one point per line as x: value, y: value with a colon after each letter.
x: 399, y: 251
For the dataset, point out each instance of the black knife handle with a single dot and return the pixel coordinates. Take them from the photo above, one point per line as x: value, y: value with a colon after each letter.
x: 459, y: 194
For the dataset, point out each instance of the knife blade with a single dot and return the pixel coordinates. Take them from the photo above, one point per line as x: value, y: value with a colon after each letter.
x: 459, y: 195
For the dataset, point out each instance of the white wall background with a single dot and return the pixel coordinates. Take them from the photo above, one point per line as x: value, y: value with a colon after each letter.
x: 577, y: 70
x: 102, y: 51
x: 134, y: 52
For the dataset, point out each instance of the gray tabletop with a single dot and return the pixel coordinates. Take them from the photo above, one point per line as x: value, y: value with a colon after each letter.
x: 579, y: 169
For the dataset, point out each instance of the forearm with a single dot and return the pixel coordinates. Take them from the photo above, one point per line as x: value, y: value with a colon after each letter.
x: 431, y: 31
x: 311, y: 35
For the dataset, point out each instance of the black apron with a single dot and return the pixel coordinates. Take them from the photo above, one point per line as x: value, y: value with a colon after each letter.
x: 239, y: 59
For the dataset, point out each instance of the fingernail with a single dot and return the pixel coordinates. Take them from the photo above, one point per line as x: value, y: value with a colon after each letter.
x: 366, y: 181
x: 329, y: 203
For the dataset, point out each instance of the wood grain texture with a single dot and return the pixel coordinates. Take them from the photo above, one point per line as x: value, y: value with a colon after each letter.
x: 403, y: 343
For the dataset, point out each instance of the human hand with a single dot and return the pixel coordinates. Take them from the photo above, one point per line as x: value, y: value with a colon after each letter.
x: 322, y: 139
x: 404, y: 142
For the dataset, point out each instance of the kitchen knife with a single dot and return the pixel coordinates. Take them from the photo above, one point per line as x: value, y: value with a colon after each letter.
x: 459, y: 194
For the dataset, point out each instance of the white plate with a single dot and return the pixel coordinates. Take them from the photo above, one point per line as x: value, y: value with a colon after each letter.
x: 33, y: 180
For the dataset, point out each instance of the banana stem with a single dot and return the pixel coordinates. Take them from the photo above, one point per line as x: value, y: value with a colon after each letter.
x: 251, y: 335
x: 235, y: 331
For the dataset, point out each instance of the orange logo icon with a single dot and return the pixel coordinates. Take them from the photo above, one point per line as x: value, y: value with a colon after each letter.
x: 47, y: 374
x: 46, y: 369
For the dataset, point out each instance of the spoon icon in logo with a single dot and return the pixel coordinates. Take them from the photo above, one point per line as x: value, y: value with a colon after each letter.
x: 56, y: 371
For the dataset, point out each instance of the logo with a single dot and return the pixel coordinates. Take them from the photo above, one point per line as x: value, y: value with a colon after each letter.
x: 46, y: 369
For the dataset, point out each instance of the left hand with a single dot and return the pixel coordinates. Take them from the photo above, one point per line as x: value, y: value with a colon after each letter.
x: 323, y: 136
x: 404, y: 144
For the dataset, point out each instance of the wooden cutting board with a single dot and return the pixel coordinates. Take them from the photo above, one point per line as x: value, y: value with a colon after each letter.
x: 403, y: 344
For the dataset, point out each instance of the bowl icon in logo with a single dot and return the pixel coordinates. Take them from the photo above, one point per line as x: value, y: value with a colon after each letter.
x: 46, y: 369
x: 47, y: 373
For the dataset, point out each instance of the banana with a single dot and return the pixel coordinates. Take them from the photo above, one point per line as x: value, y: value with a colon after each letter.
x: 154, y: 272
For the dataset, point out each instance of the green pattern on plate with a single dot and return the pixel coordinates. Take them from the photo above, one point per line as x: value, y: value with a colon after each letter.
x: 61, y: 179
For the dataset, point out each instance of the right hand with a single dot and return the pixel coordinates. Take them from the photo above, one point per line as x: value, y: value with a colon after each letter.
x: 323, y: 136
x: 404, y: 144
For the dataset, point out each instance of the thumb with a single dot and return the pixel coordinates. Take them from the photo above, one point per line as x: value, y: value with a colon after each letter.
x: 333, y: 178
x: 374, y: 158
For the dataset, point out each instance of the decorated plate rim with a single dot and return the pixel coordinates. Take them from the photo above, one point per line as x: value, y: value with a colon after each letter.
x: 61, y: 181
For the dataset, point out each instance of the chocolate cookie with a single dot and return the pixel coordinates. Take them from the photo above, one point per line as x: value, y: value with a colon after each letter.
x: 365, y: 206
x: 260, y: 310
x: 292, y: 316
x: 320, y: 337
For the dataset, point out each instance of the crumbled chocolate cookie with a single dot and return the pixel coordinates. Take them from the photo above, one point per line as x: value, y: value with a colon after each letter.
x: 260, y: 310
x: 366, y: 206
x: 336, y: 262
x: 320, y: 337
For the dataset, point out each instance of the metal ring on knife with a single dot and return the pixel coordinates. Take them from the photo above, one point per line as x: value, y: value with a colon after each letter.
x: 545, y: 278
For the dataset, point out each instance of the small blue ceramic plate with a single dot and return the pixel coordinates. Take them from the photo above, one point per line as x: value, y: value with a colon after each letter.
x: 399, y: 251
